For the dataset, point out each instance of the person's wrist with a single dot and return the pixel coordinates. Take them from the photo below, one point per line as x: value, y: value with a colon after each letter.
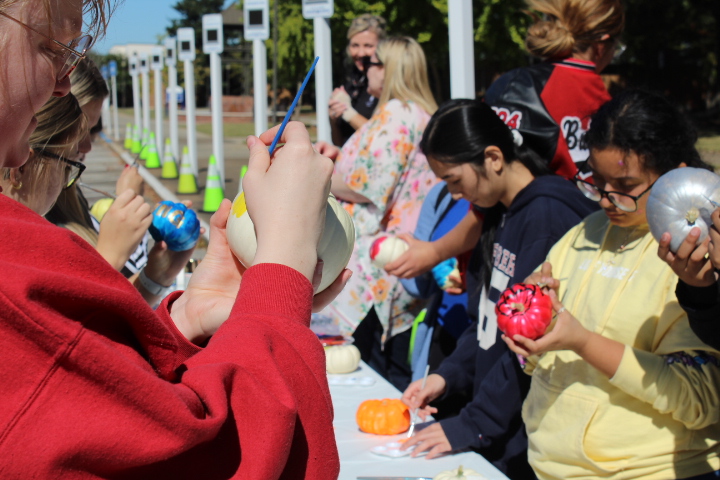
x: 349, y: 114
x: 152, y: 286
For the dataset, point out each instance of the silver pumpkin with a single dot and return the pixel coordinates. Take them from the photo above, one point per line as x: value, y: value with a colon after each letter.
x: 680, y: 200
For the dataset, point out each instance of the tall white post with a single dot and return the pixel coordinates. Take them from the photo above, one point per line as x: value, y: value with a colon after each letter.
x: 462, y: 57
x: 144, y: 71
x: 170, y: 59
x: 190, y: 115
x: 137, y: 102
x: 157, y: 66
x: 186, y: 53
x: 213, y: 44
x: 323, y: 77
x: 113, y: 89
x: 260, y: 85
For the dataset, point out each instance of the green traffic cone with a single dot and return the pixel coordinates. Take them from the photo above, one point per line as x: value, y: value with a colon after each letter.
x: 128, y: 137
x: 136, y: 141
x: 213, y: 188
x: 145, y: 145
x: 169, y: 167
x: 186, y: 183
x: 152, y: 159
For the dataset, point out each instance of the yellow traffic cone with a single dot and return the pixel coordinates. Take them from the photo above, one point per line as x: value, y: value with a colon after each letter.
x: 128, y: 137
x: 186, y: 183
x: 213, y: 188
x: 169, y: 167
x: 152, y: 159
x: 145, y: 144
x: 136, y: 141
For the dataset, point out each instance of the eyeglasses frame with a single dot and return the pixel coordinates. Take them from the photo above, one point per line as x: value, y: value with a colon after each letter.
x: 606, y: 193
x: 70, y: 51
x: 79, y: 165
x: 367, y: 63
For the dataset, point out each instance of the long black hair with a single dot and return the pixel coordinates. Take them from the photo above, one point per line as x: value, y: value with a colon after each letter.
x: 459, y: 132
x: 649, y: 125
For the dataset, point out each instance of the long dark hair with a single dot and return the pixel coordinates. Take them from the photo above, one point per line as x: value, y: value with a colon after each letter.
x: 647, y: 124
x: 459, y: 132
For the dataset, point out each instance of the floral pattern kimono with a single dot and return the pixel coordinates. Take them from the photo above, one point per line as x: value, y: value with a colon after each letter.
x: 382, y: 161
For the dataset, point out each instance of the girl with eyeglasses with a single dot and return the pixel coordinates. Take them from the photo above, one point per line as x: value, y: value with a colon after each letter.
x: 48, y: 171
x: 223, y: 380
x: 621, y: 387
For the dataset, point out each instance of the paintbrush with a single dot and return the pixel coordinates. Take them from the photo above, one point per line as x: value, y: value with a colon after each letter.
x: 415, y: 412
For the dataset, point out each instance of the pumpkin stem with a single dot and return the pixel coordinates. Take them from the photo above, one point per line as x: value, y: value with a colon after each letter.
x: 518, y: 306
x: 460, y: 470
x: 692, y: 215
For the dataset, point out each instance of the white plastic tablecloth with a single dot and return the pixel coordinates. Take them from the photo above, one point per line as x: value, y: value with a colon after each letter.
x: 354, y: 446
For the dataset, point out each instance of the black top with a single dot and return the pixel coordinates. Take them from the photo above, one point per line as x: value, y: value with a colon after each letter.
x: 702, y: 304
x: 364, y: 103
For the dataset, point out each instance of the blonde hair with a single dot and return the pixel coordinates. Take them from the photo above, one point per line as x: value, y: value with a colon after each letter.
x: 406, y: 77
x: 87, y: 83
x: 367, y: 22
x: 96, y: 14
x: 71, y: 209
x: 61, y: 125
x: 572, y: 26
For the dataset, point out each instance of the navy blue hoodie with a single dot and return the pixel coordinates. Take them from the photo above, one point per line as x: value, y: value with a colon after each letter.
x: 491, y: 423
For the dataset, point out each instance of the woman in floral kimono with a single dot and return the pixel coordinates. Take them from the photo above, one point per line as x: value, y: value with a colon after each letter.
x: 381, y: 178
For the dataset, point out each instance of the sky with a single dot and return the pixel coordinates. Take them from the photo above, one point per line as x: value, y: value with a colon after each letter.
x: 138, y: 21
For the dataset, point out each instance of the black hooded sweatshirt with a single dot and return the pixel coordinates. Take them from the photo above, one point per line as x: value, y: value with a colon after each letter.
x: 491, y: 423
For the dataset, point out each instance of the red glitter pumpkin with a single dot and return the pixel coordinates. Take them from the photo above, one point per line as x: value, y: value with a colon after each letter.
x: 525, y: 310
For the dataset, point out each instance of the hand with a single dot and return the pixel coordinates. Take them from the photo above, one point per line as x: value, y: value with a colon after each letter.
x: 544, y: 278
x: 323, y: 299
x: 431, y: 439
x: 327, y: 149
x: 130, y: 179
x: 336, y: 108
x: 689, y: 262
x: 566, y: 334
x: 420, y: 258
x: 340, y: 95
x: 714, y: 246
x: 415, y: 397
x: 123, y: 227
x: 287, y: 198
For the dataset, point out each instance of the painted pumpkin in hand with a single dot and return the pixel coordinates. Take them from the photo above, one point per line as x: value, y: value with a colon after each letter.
x: 386, y: 249
x: 680, y: 200
x: 335, y: 246
x: 388, y: 416
x: 342, y: 358
x: 176, y: 224
x: 524, y: 309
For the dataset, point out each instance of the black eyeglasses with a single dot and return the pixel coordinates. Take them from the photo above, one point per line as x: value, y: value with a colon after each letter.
x: 367, y: 63
x: 73, y: 51
x: 623, y: 201
x: 72, y: 171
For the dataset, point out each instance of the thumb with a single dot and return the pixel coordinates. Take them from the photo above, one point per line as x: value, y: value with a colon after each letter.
x: 259, y: 161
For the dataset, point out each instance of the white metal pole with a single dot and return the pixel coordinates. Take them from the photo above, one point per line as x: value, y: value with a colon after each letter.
x: 190, y: 114
x: 116, y: 119
x: 260, y: 85
x: 462, y: 58
x: 217, y: 113
x: 137, y: 102
x: 157, y: 77
x: 146, y: 103
x: 173, y: 112
x: 106, y: 118
x: 323, y: 77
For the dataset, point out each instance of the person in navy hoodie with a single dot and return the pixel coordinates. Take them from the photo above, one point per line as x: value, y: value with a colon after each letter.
x: 526, y: 210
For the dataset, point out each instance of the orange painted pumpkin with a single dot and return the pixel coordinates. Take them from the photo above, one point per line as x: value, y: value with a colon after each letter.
x: 388, y: 416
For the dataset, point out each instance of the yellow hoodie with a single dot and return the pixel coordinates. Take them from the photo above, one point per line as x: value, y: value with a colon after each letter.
x: 657, y: 417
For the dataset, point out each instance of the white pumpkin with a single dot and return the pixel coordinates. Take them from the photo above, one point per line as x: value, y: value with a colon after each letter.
x: 342, y: 358
x: 680, y: 200
x: 386, y: 249
x: 459, y: 473
x: 335, y: 246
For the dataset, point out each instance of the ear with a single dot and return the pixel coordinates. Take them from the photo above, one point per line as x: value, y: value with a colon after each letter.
x: 16, y: 176
x: 494, y: 159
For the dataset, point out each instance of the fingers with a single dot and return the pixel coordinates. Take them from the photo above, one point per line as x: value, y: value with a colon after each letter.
x: 664, y: 251
x: 515, y: 346
x: 323, y: 299
x: 259, y: 156
x: 220, y: 217
x: 317, y: 275
x: 294, y: 132
x: 686, y: 248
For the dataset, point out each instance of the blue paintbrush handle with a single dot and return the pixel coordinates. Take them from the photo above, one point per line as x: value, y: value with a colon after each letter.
x: 290, y: 111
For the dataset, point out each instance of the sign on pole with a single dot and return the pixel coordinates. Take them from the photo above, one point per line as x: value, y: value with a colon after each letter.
x: 112, y: 69
x: 257, y: 28
x: 186, y: 53
x: 213, y: 45
x: 171, y: 61
x: 137, y: 104
x: 320, y: 11
x: 156, y: 63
